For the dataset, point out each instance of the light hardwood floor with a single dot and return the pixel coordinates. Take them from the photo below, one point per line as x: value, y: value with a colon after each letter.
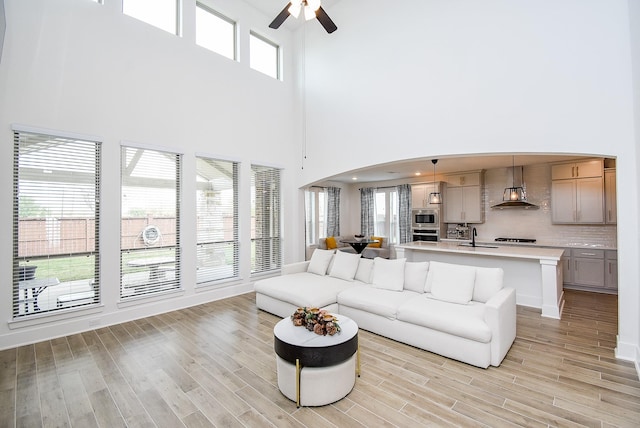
x: 213, y: 365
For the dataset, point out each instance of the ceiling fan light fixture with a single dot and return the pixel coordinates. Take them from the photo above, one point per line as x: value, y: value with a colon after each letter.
x: 294, y: 9
x: 313, y: 4
x: 309, y: 13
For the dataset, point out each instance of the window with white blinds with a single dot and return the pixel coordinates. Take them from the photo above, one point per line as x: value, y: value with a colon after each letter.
x: 265, y: 219
x: 55, y: 223
x: 217, y: 220
x: 150, y: 222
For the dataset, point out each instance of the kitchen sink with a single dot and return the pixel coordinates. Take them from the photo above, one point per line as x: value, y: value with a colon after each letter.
x: 466, y: 244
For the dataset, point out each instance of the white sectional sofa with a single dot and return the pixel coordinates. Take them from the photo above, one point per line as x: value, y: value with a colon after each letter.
x: 460, y: 312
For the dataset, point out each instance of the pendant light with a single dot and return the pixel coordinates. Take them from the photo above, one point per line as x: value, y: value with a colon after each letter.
x: 435, y: 197
x: 513, y: 193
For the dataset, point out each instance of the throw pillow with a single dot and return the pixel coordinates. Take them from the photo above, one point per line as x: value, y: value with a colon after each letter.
x: 415, y: 276
x: 451, y: 283
x: 331, y: 243
x: 375, y: 244
x: 365, y: 267
x: 344, y: 265
x: 319, y: 261
x: 488, y: 282
x: 388, y: 274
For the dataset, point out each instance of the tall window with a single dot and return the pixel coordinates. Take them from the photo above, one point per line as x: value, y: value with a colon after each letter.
x: 386, y: 216
x: 215, y: 31
x: 217, y: 222
x: 163, y: 14
x: 150, y: 222
x: 315, y: 213
x: 265, y: 219
x: 264, y: 55
x: 55, y: 223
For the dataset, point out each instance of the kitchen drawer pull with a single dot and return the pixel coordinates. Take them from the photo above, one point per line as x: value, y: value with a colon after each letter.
x: 588, y: 254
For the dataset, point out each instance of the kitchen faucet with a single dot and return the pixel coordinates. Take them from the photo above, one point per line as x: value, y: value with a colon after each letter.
x: 474, y: 233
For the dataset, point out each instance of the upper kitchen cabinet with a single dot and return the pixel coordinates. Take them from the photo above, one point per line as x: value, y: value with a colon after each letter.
x: 610, y: 208
x: 463, y: 199
x: 420, y: 194
x: 577, y: 192
x: 584, y: 169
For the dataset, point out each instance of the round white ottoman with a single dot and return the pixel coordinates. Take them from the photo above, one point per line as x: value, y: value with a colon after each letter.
x: 316, y: 370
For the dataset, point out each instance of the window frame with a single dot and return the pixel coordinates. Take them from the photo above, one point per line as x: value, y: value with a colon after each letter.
x: 222, y: 17
x: 391, y: 227
x: 271, y: 239
x: 278, y: 58
x: 68, y: 236
x: 177, y: 30
x: 315, y: 214
x: 148, y: 261
x: 201, y: 277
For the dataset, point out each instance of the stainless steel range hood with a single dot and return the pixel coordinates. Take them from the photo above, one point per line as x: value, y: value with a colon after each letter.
x: 515, y: 197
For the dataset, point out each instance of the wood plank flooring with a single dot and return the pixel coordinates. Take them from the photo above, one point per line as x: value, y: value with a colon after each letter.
x: 213, y: 365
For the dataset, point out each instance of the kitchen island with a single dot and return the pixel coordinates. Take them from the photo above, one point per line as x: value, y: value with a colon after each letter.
x: 535, y: 273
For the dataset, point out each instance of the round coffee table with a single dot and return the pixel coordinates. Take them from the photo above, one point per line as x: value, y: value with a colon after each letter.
x: 330, y: 363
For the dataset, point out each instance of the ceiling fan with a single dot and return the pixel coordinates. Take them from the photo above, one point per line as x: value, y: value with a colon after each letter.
x: 312, y: 9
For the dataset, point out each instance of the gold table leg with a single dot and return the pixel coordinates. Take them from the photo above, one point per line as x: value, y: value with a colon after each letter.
x: 297, y: 382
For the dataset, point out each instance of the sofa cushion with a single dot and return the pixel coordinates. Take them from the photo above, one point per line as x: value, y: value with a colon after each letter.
x: 374, y: 300
x: 460, y: 320
x: 451, y: 283
x: 303, y: 289
x: 331, y: 243
x: 344, y: 265
x: 365, y: 267
x: 488, y: 282
x: 320, y: 261
x: 415, y: 276
x: 388, y: 274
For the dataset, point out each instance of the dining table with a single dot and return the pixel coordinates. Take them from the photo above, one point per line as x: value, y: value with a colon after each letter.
x: 359, y: 244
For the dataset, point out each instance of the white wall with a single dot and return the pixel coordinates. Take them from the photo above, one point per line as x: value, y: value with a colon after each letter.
x: 435, y: 78
x: 80, y: 67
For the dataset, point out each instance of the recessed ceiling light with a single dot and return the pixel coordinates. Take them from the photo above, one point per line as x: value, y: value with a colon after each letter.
x: 354, y: 178
x: 417, y: 173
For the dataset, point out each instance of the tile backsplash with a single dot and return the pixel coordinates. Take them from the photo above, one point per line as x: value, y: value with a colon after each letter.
x: 532, y: 223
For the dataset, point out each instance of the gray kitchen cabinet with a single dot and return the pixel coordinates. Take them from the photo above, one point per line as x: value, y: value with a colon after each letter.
x: 611, y: 270
x: 420, y: 194
x: 584, y: 169
x: 610, y: 207
x: 463, y: 199
x: 577, y: 200
x: 590, y: 269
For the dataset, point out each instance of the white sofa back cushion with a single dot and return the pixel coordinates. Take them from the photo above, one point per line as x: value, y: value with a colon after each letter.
x: 388, y: 274
x: 320, y: 261
x: 488, y: 282
x: 415, y: 276
x: 451, y: 283
x: 344, y: 265
x: 365, y: 267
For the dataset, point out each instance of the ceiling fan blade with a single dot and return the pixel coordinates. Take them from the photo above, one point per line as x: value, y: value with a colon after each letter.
x: 326, y: 22
x: 281, y: 17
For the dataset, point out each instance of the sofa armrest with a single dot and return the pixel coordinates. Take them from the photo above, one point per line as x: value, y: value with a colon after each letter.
x: 294, y: 268
x: 500, y: 315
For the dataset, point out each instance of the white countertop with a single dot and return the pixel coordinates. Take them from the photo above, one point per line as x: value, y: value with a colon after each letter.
x: 510, y: 251
x: 540, y: 244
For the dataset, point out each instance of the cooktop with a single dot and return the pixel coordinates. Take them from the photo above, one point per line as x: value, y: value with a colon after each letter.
x: 521, y: 240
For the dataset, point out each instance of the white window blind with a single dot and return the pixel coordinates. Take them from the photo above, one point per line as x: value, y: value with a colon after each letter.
x: 265, y: 219
x: 55, y: 223
x: 217, y: 221
x: 150, y: 223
